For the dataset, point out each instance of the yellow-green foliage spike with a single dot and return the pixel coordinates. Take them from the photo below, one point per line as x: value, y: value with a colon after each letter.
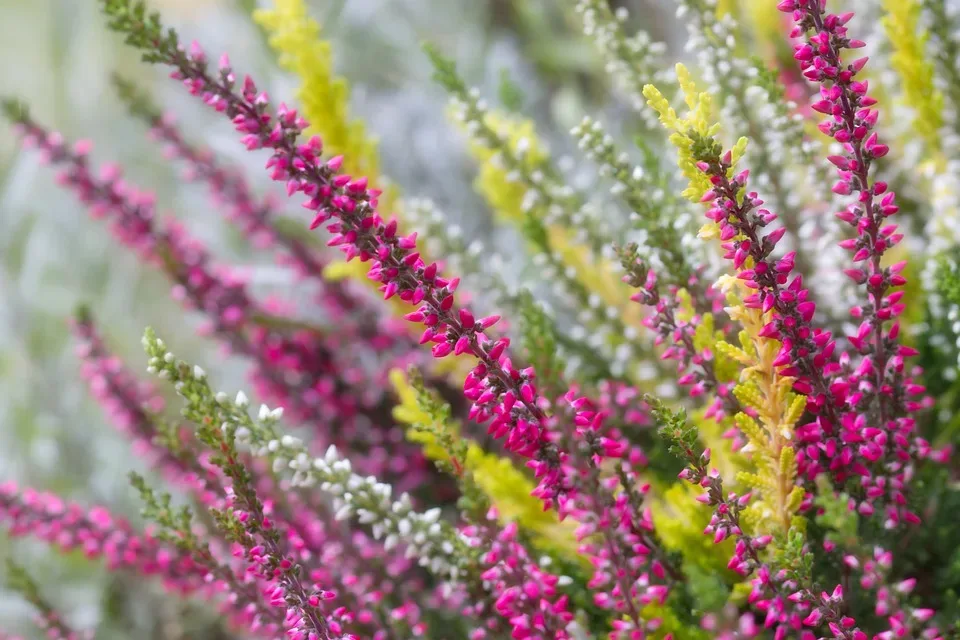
x: 797, y: 407
x: 756, y: 436
x: 732, y: 352
x: 509, y: 490
x: 749, y: 395
x: 505, y: 196
x: 788, y: 463
x: 324, y: 101
x: 680, y: 520
x: 755, y: 481
x: 696, y: 124
x: 916, y: 71
x: 506, y: 487
x: 324, y: 96
x: 769, y: 429
x: 795, y: 499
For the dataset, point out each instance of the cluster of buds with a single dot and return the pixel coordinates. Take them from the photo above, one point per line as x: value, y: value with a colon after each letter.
x: 840, y: 438
x: 787, y: 604
x: 904, y: 620
x: 523, y: 593
x: 695, y: 366
x: 615, y: 529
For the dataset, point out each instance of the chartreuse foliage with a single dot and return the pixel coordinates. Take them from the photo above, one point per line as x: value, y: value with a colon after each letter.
x: 693, y: 129
x: 915, y: 69
x: 507, y: 196
x: 324, y: 98
x: 774, y: 410
x: 502, y: 485
x: 521, y: 185
x: 680, y: 521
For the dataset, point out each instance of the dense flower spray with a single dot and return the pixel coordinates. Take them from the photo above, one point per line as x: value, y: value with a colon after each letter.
x: 293, y: 363
x: 482, y: 464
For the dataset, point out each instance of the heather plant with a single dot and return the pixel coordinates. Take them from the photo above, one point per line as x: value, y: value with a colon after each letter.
x: 711, y: 395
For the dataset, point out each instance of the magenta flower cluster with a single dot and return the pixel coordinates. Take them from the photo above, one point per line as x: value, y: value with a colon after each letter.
x: 347, y: 531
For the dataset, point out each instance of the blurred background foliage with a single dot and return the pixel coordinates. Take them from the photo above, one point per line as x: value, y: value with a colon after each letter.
x: 58, y: 56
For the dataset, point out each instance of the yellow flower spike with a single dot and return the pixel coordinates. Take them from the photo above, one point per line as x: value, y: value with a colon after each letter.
x: 687, y: 85
x: 739, y: 149
x: 668, y: 117
x: 909, y: 59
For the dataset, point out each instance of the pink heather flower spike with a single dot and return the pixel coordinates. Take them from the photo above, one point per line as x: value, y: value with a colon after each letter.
x: 133, y: 407
x: 503, y: 396
x: 787, y: 605
x: 307, y: 613
x: 123, y: 397
x: 98, y: 534
x: 256, y: 217
x: 889, y: 442
x: 523, y: 595
x: 839, y: 438
x: 331, y: 389
x: 696, y: 368
x: 348, y: 209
